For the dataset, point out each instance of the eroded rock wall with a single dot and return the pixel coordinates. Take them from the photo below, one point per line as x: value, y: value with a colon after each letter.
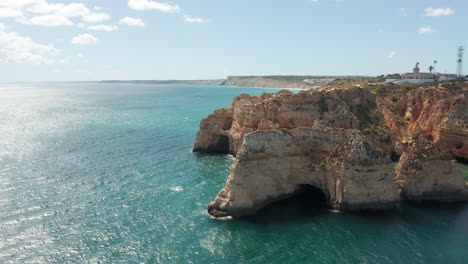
x: 271, y: 165
x: 427, y: 173
x: 387, y: 120
x: 440, y: 116
x: 339, y: 140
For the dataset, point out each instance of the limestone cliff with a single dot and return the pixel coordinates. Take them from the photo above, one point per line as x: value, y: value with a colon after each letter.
x: 382, y: 118
x: 291, y: 82
x: 270, y: 165
x: 427, y: 173
x: 387, y: 119
x: 435, y: 113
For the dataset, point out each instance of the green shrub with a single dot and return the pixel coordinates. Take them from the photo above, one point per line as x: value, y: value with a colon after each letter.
x: 377, y: 89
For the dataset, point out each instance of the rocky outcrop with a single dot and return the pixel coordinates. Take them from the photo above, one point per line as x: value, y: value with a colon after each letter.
x: 277, y: 139
x: 340, y: 108
x: 287, y: 82
x: 427, y: 173
x: 386, y: 119
x: 351, y: 172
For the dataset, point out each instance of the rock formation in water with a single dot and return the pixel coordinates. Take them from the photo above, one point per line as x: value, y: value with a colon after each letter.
x: 427, y: 173
x: 353, y: 174
x: 384, y: 118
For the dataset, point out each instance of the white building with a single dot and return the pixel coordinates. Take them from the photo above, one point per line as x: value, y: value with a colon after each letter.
x: 417, y: 77
x: 446, y: 76
x: 423, y: 77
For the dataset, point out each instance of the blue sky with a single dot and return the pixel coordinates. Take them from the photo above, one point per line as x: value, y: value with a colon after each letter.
x: 81, y: 40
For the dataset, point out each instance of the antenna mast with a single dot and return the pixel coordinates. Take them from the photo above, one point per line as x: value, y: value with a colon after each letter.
x: 460, y: 49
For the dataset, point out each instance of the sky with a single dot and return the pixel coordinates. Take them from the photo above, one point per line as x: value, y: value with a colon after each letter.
x: 91, y: 40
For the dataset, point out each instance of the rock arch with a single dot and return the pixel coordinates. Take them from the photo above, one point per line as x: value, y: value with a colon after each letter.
x: 270, y: 166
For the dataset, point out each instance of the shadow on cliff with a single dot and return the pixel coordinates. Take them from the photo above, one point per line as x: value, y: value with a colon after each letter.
x: 304, y: 206
x: 310, y: 204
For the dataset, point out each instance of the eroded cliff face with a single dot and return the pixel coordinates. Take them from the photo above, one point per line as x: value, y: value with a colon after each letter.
x: 351, y: 172
x: 349, y: 109
x: 291, y: 82
x: 277, y: 139
x: 435, y: 113
x: 427, y: 173
x: 387, y: 120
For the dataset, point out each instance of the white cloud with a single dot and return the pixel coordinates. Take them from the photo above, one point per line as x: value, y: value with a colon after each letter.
x: 425, y: 30
x: 98, y: 8
x: 196, y: 19
x: 46, y: 20
x: 18, y: 4
x: 391, y: 55
x: 73, y: 10
x: 9, y: 13
x: 438, y: 11
x: 70, y: 10
x: 153, y: 5
x: 18, y: 49
x: 42, y: 13
x: 84, y: 39
x: 103, y: 27
x: 96, y: 17
x: 129, y: 21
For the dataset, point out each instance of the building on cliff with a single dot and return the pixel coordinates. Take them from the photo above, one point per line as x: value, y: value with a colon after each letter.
x: 423, y: 77
x: 446, y: 76
x: 417, y: 77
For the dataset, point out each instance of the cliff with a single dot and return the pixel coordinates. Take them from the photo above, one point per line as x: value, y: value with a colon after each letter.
x: 273, y: 164
x: 427, y: 173
x: 387, y: 117
x: 287, y: 82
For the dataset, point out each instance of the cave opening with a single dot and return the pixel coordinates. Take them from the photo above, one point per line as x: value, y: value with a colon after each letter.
x: 309, y: 195
x: 221, y: 146
x: 306, y: 202
x: 395, y: 157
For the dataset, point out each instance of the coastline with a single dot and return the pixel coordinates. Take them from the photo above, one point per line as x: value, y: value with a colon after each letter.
x: 294, y: 89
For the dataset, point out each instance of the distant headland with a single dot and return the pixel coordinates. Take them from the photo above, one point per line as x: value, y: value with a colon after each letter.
x: 269, y: 81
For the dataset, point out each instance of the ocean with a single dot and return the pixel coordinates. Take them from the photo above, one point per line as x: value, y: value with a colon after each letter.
x: 104, y: 173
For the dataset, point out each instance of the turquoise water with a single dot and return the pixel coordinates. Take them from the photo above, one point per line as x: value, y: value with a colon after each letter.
x: 104, y: 173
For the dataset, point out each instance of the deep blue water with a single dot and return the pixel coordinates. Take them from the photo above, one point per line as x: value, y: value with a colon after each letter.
x: 104, y: 173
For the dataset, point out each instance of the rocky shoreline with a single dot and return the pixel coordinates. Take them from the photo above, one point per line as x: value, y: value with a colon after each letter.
x: 341, y: 140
